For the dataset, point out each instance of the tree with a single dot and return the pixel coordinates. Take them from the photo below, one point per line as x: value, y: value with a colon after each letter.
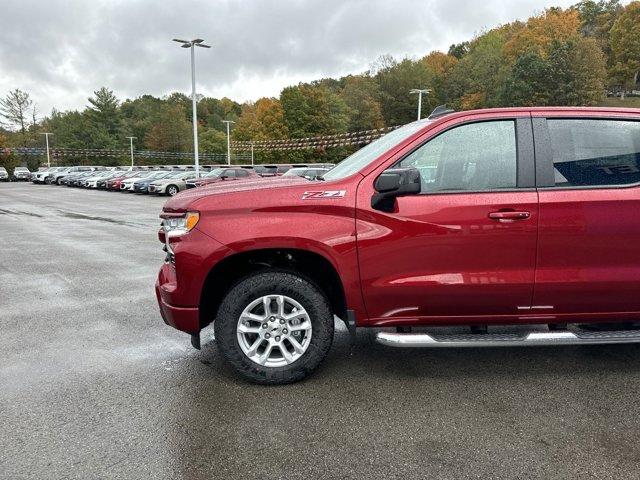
x: 459, y: 50
x: 170, y: 130
x: 573, y: 74
x: 597, y: 19
x: 477, y: 80
x: 312, y: 110
x: 104, y: 115
x: 440, y: 66
x: 360, y: 95
x: 625, y: 46
x: 528, y: 84
x: 263, y: 120
x: 398, y: 105
x: 14, y: 108
x: 539, y: 31
x: 212, y: 141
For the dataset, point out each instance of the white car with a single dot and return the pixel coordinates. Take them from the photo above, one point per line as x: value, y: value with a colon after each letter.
x: 127, y: 184
x: 92, y: 181
x: 4, y: 176
x: 21, y: 173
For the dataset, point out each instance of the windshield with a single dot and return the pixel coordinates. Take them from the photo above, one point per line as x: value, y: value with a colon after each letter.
x: 216, y: 172
x: 363, y: 157
x: 295, y: 172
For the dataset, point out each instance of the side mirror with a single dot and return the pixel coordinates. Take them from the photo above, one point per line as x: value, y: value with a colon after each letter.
x: 392, y: 183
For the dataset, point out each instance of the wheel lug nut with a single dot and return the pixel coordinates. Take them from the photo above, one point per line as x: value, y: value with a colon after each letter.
x: 271, y: 319
x: 282, y: 321
x: 264, y: 325
x: 285, y: 331
x: 267, y: 335
x: 277, y: 339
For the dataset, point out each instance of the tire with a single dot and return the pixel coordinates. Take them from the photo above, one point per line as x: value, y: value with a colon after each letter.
x: 172, y: 190
x: 280, y: 285
x: 47, y: 180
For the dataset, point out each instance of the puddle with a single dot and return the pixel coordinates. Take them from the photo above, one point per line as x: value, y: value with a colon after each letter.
x: 19, y: 212
x: 80, y: 216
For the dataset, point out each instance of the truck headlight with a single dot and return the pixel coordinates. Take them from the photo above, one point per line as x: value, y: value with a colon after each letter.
x: 176, y: 226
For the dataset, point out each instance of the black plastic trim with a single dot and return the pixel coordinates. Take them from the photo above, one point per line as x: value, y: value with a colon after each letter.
x: 526, y: 177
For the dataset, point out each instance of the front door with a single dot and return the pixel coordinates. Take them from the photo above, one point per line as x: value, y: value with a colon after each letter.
x: 466, y: 246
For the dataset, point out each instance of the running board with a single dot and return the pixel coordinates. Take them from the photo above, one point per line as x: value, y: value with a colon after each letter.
x: 582, y: 337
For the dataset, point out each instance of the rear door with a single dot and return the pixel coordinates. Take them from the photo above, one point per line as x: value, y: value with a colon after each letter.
x: 465, y: 247
x: 589, y: 247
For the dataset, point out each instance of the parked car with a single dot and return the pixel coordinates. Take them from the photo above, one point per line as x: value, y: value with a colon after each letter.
x: 74, y: 179
x: 4, y: 176
x: 91, y: 181
x: 222, y: 174
x: 126, y: 185
x: 530, y: 222
x: 43, y: 173
x: 56, y: 176
x: 308, y: 173
x: 114, y: 183
x: 170, y: 185
x: 21, y: 174
x: 142, y: 185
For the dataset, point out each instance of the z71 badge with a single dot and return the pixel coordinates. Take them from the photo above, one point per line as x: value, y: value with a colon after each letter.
x: 324, y: 194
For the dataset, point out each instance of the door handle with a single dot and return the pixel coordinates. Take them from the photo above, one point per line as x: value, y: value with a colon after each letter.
x: 509, y: 216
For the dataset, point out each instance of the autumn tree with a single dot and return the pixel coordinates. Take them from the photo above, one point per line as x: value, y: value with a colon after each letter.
x: 625, y: 46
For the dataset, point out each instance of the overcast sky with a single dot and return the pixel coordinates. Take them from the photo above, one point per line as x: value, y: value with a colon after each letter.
x: 60, y: 51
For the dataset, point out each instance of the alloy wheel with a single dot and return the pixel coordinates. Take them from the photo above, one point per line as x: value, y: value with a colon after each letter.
x: 274, y: 330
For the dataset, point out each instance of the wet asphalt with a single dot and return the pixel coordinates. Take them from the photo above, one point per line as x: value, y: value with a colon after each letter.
x: 94, y: 385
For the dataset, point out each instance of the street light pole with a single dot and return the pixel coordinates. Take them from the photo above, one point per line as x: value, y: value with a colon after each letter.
x: 420, y: 91
x: 228, y: 122
x: 191, y: 44
x: 46, y: 139
x: 252, y: 154
x: 131, y: 139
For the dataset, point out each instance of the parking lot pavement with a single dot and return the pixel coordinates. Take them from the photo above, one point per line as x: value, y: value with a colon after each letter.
x: 94, y: 385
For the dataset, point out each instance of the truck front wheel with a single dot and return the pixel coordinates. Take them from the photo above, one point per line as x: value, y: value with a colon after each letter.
x: 274, y: 327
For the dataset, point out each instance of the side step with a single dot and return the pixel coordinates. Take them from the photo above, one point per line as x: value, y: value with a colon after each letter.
x: 581, y: 337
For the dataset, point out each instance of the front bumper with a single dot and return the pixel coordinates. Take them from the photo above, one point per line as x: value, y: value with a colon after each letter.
x: 156, y: 188
x: 186, y: 319
x: 180, y: 282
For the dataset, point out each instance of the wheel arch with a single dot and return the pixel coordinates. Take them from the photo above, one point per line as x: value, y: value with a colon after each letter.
x: 310, y: 265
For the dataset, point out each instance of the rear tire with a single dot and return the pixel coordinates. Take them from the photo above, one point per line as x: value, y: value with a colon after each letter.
x: 290, y: 351
x: 172, y: 190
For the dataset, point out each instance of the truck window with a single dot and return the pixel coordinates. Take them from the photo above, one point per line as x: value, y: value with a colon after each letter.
x: 590, y: 152
x: 472, y: 157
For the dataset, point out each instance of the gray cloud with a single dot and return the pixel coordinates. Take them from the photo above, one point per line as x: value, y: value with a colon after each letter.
x: 61, y: 51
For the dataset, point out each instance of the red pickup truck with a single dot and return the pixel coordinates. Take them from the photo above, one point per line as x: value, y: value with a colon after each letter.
x: 527, y: 218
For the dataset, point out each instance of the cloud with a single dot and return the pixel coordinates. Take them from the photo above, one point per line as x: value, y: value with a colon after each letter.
x: 60, y: 51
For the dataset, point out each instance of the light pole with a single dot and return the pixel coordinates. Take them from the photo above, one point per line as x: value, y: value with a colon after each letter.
x: 252, y: 154
x: 46, y: 139
x: 228, y: 122
x: 420, y: 91
x: 131, y: 139
x: 191, y: 44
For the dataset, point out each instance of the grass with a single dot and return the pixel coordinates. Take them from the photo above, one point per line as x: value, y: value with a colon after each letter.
x: 630, y: 102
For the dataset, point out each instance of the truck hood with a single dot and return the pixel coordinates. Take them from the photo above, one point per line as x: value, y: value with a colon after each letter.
x: 184, y: 200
